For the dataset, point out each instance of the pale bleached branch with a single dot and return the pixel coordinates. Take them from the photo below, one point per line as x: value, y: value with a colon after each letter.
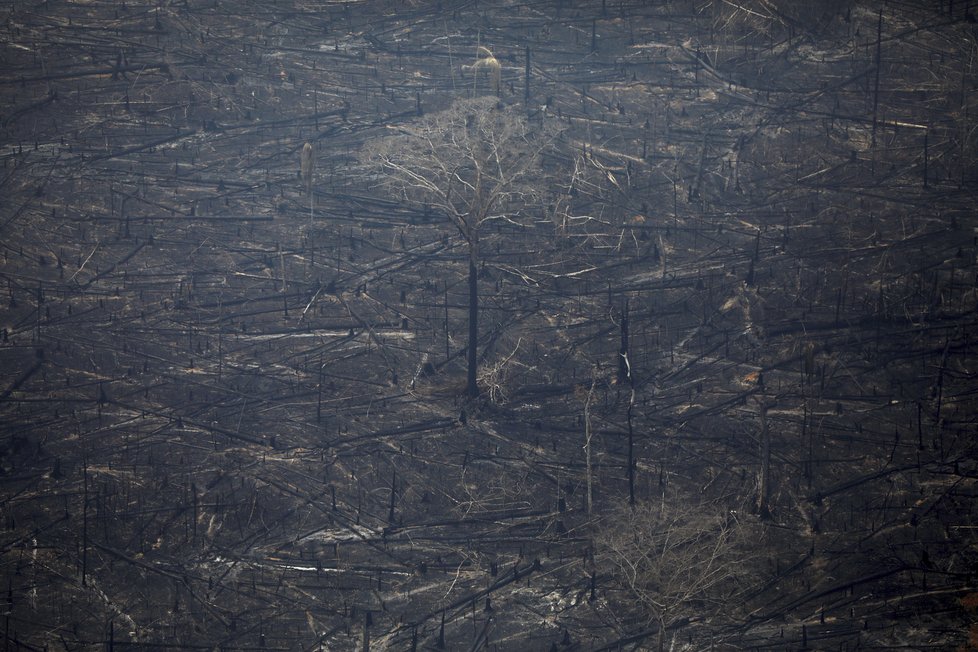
x: 675, y: 559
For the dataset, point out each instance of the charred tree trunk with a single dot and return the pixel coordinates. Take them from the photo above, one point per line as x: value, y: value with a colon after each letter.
x: 661, y: 635
x: 631, y: 451
x: 624, y: 365
x: 764, y: 481
x: 876, y: 85
x: 472, y: 386
x: 589, y: 498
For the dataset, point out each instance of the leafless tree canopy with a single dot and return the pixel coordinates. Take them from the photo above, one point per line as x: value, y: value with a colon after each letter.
x: 477, y: 161
x: 676, y: 560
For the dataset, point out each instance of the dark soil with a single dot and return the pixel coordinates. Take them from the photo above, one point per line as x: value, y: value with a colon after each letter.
x: 232, y: 418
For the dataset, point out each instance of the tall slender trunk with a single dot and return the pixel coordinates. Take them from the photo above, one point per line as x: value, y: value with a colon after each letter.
x: 631, y: 450
x: 587, y: 446
x: 624, y: 365
x: 876, y: 86
x: 764, y: 484
x: 472, y: 387
x: 661, y: 637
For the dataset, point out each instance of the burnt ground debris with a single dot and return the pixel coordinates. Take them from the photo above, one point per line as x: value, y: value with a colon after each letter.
x: 229, y: 423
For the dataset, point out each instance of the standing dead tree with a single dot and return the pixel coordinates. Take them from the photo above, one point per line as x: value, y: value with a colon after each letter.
x: 675, y: 560
x: 587, y: 445
x: 307, y: 162
x: 476, y: 162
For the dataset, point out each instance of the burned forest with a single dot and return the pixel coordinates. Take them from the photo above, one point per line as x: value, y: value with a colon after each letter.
x: 488, y: 325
